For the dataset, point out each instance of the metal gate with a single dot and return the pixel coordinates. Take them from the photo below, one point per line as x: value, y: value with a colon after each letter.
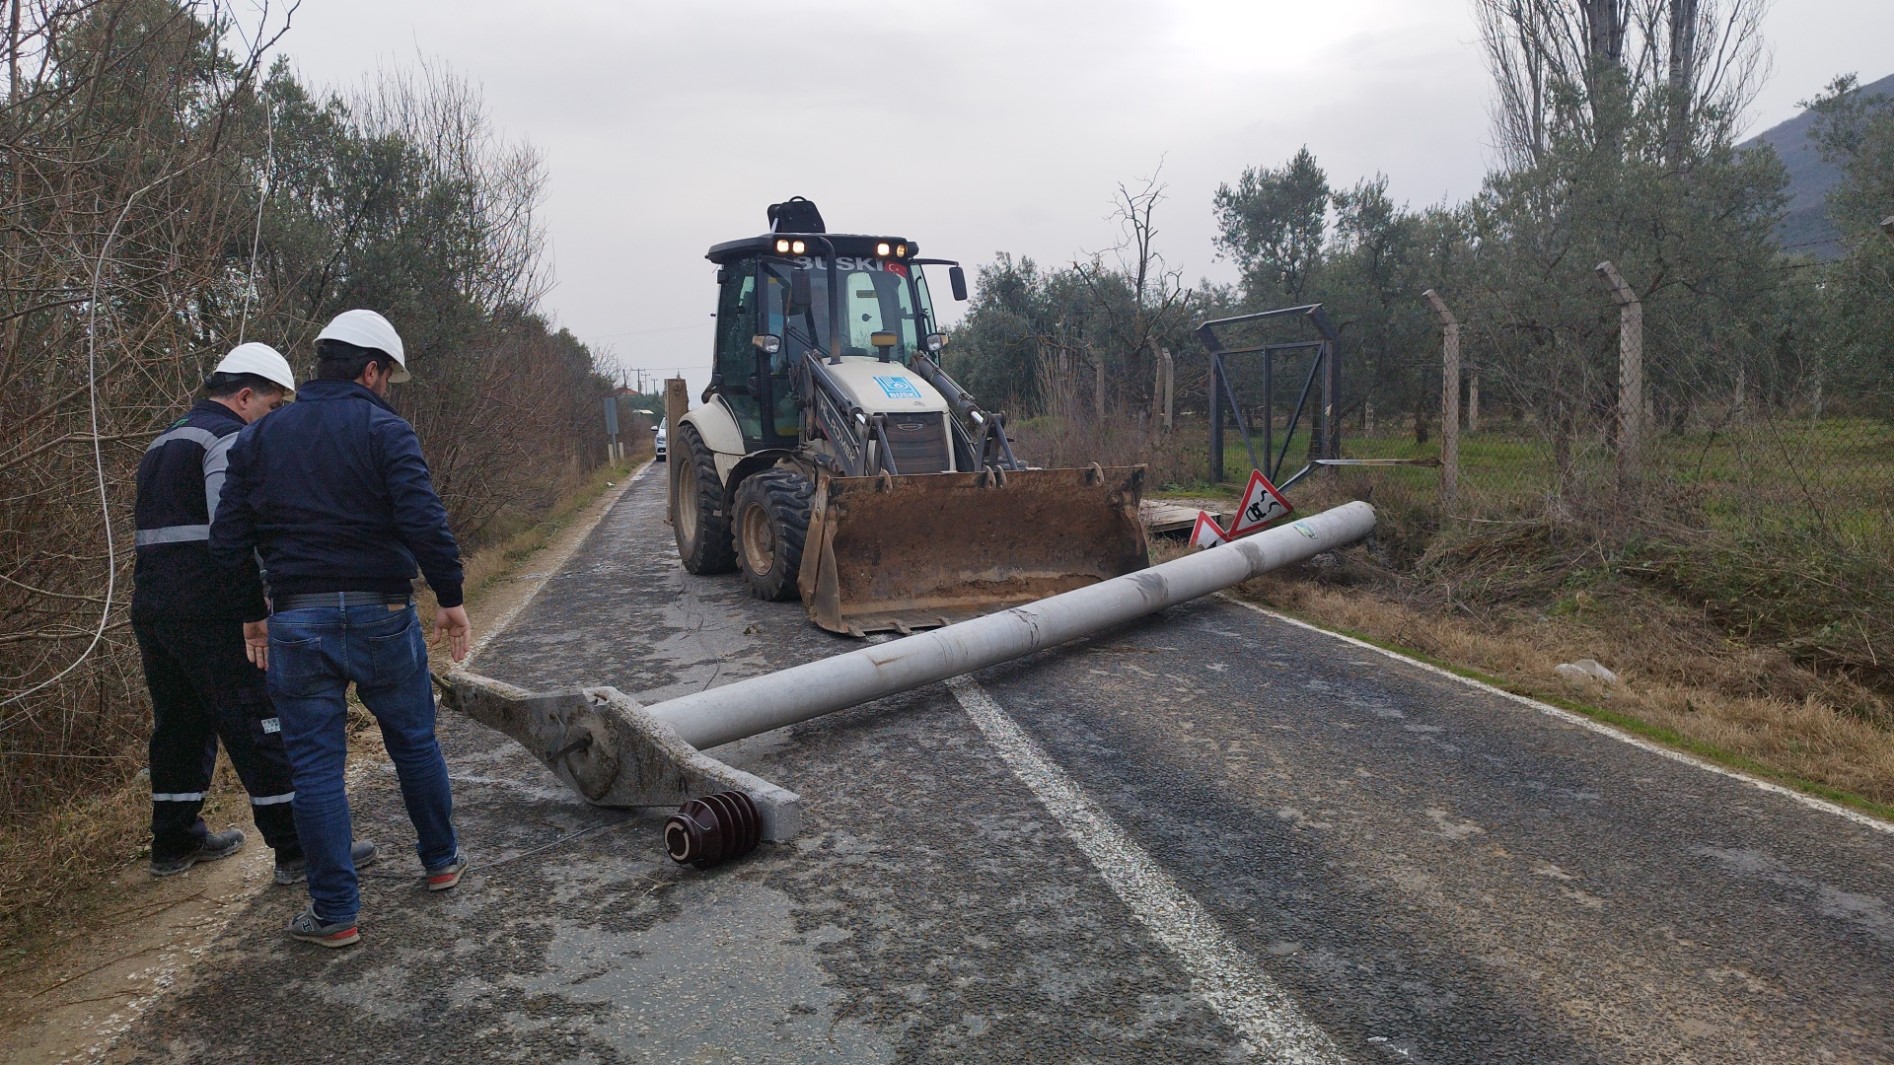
x: 1326, y: 435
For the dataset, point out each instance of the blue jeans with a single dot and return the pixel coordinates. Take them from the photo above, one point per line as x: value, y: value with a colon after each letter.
x: 314, y: 654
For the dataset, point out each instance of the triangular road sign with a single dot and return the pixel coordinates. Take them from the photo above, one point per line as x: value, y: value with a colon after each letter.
x: 1261, y: 504
x: 1206, y: 532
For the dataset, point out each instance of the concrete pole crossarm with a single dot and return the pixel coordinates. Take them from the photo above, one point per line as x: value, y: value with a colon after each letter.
x: 760, y: 704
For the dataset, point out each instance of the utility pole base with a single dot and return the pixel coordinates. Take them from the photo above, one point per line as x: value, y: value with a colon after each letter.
x: 605, y: 746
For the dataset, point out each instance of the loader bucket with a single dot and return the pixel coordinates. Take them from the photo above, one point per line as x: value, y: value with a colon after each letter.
x: 919, y: 551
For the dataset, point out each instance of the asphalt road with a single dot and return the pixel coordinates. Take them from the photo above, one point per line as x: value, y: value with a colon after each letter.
x: 1210, y: 836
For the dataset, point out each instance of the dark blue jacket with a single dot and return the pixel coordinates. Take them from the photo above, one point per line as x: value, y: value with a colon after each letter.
x: 334, y: 492
x: 179, y: 480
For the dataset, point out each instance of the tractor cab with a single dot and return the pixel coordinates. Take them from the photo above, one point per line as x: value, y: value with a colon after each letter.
x: 784, y: 297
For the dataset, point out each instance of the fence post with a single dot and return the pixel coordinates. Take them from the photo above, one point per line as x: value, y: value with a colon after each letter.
x: 1449, y: 399
x: 611, y: 428
x: 1157, y: 388
x: 1630, y: 375
x: 1216, y: 417
x: 1328, y: 416
x: 1167, y: 368
x: 1473, y: 401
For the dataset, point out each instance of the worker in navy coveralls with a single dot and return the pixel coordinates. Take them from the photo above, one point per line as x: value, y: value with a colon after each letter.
x: 335, y: 495
x: 188, y: 614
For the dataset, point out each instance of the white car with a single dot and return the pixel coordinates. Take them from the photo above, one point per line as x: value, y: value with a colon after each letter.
x: 658, y: 440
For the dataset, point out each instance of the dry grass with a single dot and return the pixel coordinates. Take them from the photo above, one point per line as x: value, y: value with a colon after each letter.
x: 1766, y: 653
x: 1069, y: 432
x: 1685, y: 682
x: 54, y: 869
x: 54, y: 864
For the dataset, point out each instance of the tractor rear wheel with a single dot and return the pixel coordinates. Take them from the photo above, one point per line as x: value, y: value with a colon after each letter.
x: 700, y: 522
x: 772, y: 522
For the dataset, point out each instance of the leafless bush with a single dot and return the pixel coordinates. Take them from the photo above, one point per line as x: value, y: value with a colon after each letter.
x: 1070, y: 433
x: 117, y: 218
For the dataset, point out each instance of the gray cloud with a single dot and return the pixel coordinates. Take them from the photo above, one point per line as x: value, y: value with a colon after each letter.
x: 971, y: 127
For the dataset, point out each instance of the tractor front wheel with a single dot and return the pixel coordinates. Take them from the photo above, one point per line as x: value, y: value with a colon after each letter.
x: 700, y: 521
x: 772, y: 521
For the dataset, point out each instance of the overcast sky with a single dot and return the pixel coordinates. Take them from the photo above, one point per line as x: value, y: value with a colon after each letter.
x: 970, y: 126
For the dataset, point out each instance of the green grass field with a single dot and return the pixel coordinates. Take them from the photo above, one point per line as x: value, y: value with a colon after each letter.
x: 1832, y: 477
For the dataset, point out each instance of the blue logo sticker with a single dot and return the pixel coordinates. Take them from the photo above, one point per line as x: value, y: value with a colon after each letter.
x: 898, y: 388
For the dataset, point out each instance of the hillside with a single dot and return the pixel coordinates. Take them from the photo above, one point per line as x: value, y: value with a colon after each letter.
x: 1806, y: 229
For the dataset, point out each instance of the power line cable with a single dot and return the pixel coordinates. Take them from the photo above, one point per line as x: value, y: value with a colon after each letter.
x: 263, y: 197
x: 98, y: 452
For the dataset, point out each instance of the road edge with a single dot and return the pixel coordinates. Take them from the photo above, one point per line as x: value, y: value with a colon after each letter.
x: 1573, y: 717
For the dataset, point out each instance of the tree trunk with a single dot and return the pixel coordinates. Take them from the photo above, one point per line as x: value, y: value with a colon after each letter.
x: 1681, y: 79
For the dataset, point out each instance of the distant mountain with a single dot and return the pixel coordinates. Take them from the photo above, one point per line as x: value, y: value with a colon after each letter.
x: 1806, y: 229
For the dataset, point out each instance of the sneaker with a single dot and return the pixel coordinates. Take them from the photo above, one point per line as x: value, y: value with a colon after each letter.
x: 309, y: 928
x: 296, y: 870
x: 447, y: 875
x: 212, y: 847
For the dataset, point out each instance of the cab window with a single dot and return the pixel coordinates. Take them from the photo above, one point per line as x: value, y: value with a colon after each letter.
x: 876, y: 297
x: 736, y: 354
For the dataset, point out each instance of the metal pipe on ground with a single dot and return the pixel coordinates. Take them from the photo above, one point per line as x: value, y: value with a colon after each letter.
x: 759, y: 704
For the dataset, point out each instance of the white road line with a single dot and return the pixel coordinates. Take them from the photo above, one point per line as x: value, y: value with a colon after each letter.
x: 1220, y: 972
x: 1584, y: 722
x: 549, y: 568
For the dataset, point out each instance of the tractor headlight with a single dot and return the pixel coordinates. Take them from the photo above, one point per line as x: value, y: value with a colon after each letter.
x: 883, y: 249
x: 934, y: 342
x: 782, y: 247
x: 797, y: 247
x: 767, y: 343
x: 900, y: 251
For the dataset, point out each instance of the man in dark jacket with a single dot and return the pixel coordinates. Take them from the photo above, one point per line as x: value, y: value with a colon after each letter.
x: 188, y: 614
x: 334, y: 493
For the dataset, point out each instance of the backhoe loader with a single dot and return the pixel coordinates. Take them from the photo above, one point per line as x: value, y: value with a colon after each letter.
x: 832, y: 459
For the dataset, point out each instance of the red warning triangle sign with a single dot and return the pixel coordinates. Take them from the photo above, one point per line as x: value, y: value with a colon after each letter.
x: 1206, y: 532
x: 1261, y: 504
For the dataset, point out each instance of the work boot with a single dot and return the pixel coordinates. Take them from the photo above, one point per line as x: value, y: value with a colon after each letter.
x: 213, y: 846
x: 447, y: 875
x: 309, y: 928
x: 296, y: 870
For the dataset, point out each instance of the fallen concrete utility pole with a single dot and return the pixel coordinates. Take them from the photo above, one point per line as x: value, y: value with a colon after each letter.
x: 759, y: 704
x: 615, y: 752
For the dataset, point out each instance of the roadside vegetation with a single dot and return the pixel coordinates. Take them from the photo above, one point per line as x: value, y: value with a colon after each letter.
x: 170, y: 187
x: 54, y: 868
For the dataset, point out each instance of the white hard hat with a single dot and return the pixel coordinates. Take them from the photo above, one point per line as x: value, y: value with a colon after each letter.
x: 366, y: 329
x: 263, y: 361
